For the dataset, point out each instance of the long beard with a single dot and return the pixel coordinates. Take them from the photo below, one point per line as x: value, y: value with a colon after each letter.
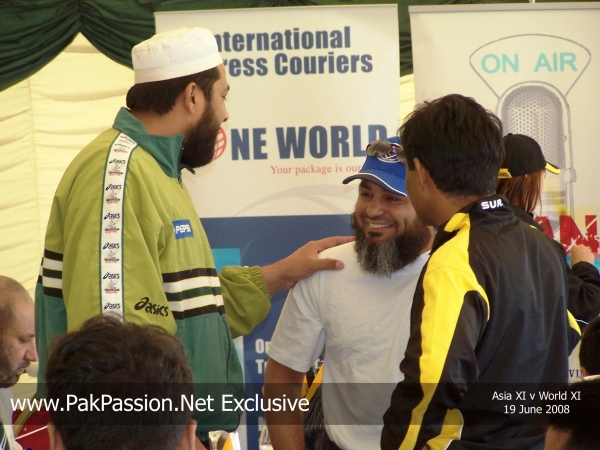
x: 199, y: 143
x: 383, y: 259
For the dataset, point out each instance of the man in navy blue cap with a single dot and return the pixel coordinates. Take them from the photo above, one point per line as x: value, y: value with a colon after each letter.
x: 361, y: 315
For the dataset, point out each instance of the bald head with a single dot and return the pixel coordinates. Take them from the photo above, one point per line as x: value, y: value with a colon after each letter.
x: 17, y: 339
x: 12, y: 294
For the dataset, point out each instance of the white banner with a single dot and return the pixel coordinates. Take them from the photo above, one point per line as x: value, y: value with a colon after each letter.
x: 537, y: 67
x: 310, y: 88
x: 533, y: 65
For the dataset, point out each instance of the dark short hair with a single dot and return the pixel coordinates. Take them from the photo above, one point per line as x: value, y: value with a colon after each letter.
x: 458, y: 141
x: 124, y: 360
x: 583, y: 414
x: 160, y: 96
x: 589, y: 351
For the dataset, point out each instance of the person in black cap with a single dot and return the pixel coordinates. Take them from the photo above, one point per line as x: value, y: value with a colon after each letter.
x: 520, y: 180
x: 521, y: 175
x: 361, y: 314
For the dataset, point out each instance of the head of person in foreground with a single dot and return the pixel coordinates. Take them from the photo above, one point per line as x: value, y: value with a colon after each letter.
x: 130, y: 365
x: 573, y: 421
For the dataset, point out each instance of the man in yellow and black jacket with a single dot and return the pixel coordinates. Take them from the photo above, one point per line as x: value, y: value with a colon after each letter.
x: 490, y: 330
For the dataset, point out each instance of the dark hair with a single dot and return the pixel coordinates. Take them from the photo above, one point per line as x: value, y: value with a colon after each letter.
x: 523, y: 191
x: 160, y: 96
x: 589, y: 352
x: 583, y: 415
x: 126, y: 361
x: 458, y: 142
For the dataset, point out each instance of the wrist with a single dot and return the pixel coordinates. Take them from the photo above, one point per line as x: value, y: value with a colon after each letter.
x: 274, y: 278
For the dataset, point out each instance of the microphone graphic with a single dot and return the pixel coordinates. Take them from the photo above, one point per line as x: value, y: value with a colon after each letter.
x: 540, y: 111
x: 531, y: 75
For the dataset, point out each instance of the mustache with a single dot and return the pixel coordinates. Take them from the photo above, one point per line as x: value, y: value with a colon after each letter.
x: 383, y: 259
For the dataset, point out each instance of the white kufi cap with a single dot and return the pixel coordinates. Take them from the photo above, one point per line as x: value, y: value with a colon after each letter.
x: 175, y: 54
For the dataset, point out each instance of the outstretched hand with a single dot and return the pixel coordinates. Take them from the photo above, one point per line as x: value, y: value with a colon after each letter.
x: 302, y: 264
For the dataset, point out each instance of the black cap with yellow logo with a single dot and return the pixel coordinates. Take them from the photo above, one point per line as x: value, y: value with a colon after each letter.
x: 523, y: 155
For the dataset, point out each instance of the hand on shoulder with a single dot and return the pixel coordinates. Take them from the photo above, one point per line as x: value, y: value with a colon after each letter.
x: 302, y: 264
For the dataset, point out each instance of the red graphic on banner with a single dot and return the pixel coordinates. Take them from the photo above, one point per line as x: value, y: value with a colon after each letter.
x: 570, y: 234
x: 544, y: 222
x: 221, y: 144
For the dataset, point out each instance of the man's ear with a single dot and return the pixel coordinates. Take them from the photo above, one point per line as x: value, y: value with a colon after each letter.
x: 193, y: 98
x: 56, y: 442
x: 584, y: 372
x: 188, y: 440
x: 422, y: 174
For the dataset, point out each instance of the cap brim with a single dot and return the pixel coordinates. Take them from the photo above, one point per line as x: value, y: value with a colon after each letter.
x: 552, y: 168
x: 375, y: 179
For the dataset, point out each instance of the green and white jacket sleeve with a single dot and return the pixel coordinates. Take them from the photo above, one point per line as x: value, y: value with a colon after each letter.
x: 246, y: 298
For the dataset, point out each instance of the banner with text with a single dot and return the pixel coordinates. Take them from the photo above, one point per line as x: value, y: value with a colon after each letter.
x: 536, y: 66
x: 310, y: 88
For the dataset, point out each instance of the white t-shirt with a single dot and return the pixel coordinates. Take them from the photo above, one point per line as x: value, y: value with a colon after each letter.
x: 363, y: 321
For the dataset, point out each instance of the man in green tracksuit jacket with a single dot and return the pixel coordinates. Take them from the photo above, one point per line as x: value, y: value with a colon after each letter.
x: 124, y: 238
x: 490, y: 328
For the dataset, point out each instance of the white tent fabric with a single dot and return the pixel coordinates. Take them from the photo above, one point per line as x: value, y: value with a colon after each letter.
x: 44, y: 122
